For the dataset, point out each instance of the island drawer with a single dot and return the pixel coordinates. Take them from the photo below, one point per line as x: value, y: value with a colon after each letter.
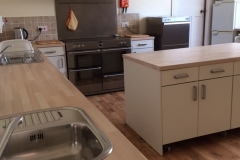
x: 215, y: 70
x: 237, y: 68
x: 142, y: 44
x: 179, y: 76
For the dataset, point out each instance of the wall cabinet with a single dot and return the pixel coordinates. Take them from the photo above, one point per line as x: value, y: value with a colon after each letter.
x: 191, y: 101
x: 140, y: 46
x: 56, y: 55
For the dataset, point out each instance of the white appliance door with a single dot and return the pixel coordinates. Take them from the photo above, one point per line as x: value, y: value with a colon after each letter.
x: 221, y: 37
x: 223, y: 16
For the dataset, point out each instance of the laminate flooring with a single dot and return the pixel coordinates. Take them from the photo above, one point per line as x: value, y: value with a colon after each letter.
x: 211, y: 147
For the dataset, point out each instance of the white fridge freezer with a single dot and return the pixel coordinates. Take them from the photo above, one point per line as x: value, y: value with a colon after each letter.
x: 225, y: 18
x: 222, y: 37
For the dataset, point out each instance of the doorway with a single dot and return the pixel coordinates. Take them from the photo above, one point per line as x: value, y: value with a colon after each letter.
x: 196, y: 10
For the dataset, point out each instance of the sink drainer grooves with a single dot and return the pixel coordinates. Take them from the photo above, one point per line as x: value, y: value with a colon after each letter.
x: 35, y: 137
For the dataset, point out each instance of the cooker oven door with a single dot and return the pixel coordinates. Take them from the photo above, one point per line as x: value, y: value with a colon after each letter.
x: 85, y: 71
x: 86, y: 80
x: 112, y: 68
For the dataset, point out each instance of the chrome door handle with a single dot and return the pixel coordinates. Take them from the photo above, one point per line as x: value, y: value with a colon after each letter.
x: 204, y: 88
x: 113, y: 75
x: 217, y: 70
x: 181, y: 76
x: 88, y: 69
x: 195, y: 93
x: 60, y: 61
x: 117, y: 49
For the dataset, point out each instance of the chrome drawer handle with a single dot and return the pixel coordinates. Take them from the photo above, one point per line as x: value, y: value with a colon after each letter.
x: 217, y: 70
x: 142, y: 44
x: 49, y: 52
x: 181, y: 76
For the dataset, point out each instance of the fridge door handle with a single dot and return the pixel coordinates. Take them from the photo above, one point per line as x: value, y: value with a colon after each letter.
x: 217, y: 3
x: 215, y: 32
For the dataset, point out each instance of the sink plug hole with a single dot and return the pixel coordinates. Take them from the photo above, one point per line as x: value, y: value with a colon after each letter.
x: 35, y: 137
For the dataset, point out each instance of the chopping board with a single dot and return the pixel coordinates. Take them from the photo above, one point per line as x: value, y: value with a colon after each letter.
x: 136, y: 35
x: 48, y: 42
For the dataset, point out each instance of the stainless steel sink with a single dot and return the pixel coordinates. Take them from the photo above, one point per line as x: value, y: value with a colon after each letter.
x: 58, y: 134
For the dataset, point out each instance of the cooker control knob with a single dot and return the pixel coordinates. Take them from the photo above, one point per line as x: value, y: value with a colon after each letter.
x: 100, y: 44
x: 75, y: 46
x: 124, y: 42
x: 121, y: 43
x: 82, y: 45
x: 78, y: 46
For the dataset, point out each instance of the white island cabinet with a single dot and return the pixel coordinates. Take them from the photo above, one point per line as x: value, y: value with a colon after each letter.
x: 179, y: 94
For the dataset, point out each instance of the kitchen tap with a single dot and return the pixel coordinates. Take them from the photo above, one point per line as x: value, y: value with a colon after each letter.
x: 8, y: 132
x: 5, y: 49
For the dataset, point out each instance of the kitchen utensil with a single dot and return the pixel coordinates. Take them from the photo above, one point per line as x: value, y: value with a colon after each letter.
x: 72, y: 21
x: 20, y: 33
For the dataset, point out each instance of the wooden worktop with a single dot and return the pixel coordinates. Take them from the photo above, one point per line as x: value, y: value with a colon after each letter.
x: 28, y: 87
x: 187, y: 57
x: 47, y: 45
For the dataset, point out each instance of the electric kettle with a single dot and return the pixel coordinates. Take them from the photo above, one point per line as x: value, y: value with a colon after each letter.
x: 20, y: 33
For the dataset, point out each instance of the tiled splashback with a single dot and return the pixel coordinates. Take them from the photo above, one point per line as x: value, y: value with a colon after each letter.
x: 31, y: 24
x: 132, y: 18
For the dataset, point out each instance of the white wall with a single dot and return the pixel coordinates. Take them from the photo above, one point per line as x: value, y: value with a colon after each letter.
x: 24, y: 8
x: 148, y: 8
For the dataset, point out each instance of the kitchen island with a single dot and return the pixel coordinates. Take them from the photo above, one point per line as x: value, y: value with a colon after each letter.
x: 173, y: 95
x: 35, y: 86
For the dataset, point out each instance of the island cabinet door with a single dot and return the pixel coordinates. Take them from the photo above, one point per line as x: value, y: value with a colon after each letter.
x: 235, y: 123
x: 214, y: 105
x: 180, y: 111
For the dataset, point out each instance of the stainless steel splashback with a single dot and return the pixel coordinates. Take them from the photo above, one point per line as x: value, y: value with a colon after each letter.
x: 96, y: 18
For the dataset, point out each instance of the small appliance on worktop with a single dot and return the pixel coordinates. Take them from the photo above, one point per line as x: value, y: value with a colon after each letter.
x: 93, y: 50
x: 169, y: 32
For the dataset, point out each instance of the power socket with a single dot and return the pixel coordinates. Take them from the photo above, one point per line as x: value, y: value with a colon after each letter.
x: 124, y: 24
x: 44, y: 28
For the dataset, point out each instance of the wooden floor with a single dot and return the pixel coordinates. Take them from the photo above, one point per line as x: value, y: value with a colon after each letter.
x: 211, y: 147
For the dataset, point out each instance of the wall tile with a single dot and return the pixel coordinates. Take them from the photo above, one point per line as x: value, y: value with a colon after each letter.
x: 31, y: 25
x: 133, y: 19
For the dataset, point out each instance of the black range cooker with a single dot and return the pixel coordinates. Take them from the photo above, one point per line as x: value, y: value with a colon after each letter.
x: 96, y: 65
x: 93, y: 52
